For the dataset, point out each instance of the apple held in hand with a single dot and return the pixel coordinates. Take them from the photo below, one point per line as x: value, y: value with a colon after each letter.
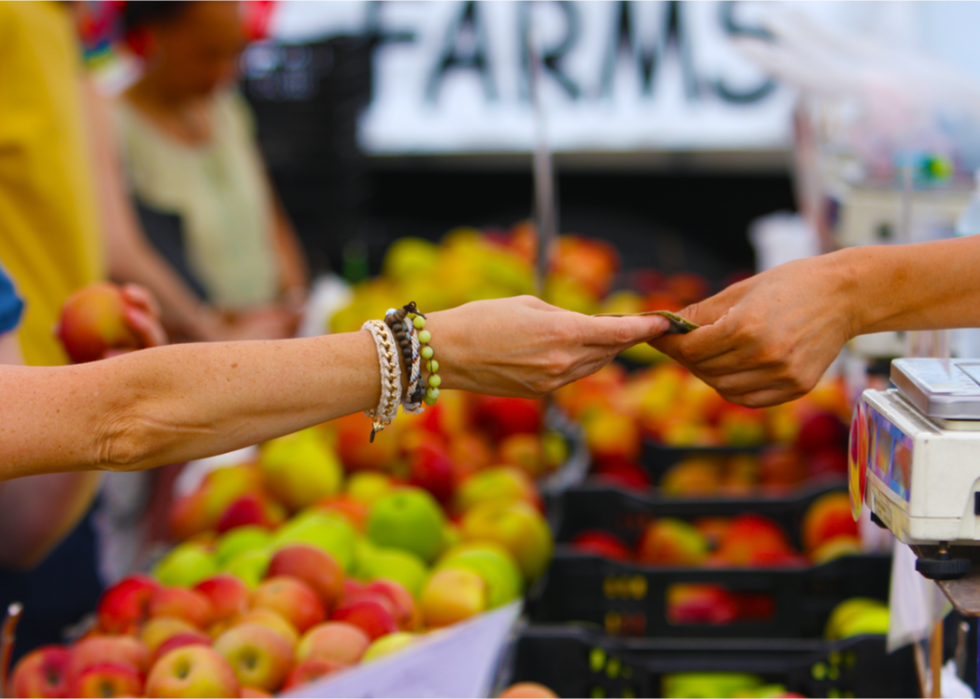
x: 93, y: 321
x: 192, y: 671
x: 42, y: 673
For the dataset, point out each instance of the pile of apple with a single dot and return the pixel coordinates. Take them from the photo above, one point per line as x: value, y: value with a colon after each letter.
x: 723, y: 685
x: 747, y: 540
x: 667, y: 405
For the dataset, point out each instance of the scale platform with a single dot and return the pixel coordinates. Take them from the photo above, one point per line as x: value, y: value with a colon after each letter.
x: 914, y: 460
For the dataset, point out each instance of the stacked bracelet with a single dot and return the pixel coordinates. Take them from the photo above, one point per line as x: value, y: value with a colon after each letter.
x: 391, y: 376
x: 409, y: 325
x: 408, y: 343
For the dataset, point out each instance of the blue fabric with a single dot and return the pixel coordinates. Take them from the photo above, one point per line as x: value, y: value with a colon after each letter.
x: 11, y: 306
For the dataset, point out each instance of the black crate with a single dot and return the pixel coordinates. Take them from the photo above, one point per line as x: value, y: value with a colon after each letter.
x: 576, y: 662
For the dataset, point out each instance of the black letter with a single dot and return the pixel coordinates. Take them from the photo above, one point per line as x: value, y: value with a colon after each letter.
x: 550, y: 58
x: 733, y: 29
x: 450, y: 60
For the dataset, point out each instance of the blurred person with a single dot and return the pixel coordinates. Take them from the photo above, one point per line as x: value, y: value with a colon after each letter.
x: 188, y: 147
x: 770, y: 338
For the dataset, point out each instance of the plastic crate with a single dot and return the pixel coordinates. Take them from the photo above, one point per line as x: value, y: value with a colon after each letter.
x: 576, y: 662
x: 631, y: 599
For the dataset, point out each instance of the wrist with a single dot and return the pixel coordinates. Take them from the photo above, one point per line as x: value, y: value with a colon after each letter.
x: 861, y: 274
x: 446, y: 348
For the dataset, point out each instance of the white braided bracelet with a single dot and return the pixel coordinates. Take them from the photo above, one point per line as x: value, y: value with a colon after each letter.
x: 391, y: 376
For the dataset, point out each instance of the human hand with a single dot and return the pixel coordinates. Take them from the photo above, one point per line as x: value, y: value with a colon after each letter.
x: 142, y: 315
x: 525, y: 347
x: 770, y: 338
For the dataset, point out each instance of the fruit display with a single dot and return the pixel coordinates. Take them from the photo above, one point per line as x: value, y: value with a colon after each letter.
x: 719, y: 448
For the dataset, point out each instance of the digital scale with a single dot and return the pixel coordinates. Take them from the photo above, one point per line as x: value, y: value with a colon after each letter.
x: 914, y: 459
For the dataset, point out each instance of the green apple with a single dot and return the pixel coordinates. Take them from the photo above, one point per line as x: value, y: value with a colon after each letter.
x: 698, y: 685
x: 333, y: 534
x: 368, y: 486
x: 185, y: 566
x: 491, y: 562
x: 395, y: 564
x: 868, y: 621
x: 516, y: 526
x: 386, y: 645
x: 846, y: 611
x: 250, y: 565
x: 240, y: 540
x: 410, y: 519
x: 301, y: 468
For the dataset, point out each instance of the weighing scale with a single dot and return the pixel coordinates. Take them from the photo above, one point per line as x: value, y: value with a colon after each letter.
x: 914, y: 460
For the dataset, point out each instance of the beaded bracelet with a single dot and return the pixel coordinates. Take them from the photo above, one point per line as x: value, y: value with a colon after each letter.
x: 408, y: 342
x: 409, y: 316
x: 391, y: 376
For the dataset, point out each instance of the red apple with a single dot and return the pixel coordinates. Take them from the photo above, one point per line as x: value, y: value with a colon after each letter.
x: 694, y: 603
x: 623, y: 473
x: 181, y: 603
x: 272, y: 620
x: 42, y: 673
x: 192, y: 671
x: 123, y: 650
x: 602, y: 544
x: 431, y: 469
x: 407, y: 614
x: 228, y: 594
x: 158, y: 630
x: 356, y: 449
x: 312, y: 565
x: 672, y: 542
x: 829, y: 461
x: 372, y: 616
x: 819, y: 431
x: 250, y: 509
x: 179, y: 640
x: 107, y: 679
x: 292, y: 598
x: 828, y: 517
x: 310, y: 670
x: 188, y: 516
x: 259, y: 656
x: 93, y: 321
x: 753, y: 539
x: 502, y: 417
x: 335, y: 642
x: 253, y: 693
x: 125, y: 605
x: 525, y: 451
x: 354, y: 511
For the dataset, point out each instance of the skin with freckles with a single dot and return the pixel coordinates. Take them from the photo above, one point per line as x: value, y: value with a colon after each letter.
x: 770, y: 338
x: 181, y: 402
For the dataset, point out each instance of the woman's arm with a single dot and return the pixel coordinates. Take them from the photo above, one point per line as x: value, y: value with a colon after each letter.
x: 770, y: 338
x: 181, y: 402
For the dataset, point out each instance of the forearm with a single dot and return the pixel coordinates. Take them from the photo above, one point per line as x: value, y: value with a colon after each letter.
x: 42, y: 510
x: 181, y: 402
x: 925, y: 286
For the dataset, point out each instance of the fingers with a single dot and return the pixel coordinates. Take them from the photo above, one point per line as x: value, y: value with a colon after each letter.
x: 145, y: 326
x: 141, y: 297
x: 703, y: 344
x: 621, y: 332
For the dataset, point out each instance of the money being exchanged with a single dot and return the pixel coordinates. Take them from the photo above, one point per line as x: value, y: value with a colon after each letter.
x: 678, y: 325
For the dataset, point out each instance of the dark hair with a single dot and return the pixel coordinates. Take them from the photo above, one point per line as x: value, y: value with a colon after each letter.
x: 142, y: 13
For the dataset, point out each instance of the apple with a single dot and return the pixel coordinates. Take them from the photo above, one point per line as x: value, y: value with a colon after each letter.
x: 188, y: 516
x: 355, y: 448
x: 125, y: 650
x: 699, y: 603
x: 410, y: 519
x: 470, y: 453
x: 828, y: 517
x: 334, y: 641
x: 396, y: 564
x: 672, y: 542
x: 367, y: 486
x: 273, y: 620
x: 229, y: 595
x: 333, y: 534
x: 688, y: 287
x: 407, y: 614
x: 829, y: 461
x: 106, y: 679
x: 223, y: 486
x: 190, y: 638
x: 259, y: 656
x: 500, y: 484
x: 374, y: 616
x: 527, y: 690
x: 386, y: 645
x: 693, y: 477
x: 742, y: 426
x: 192, y: 671
x: 868, y: 621
x: 315, y: 567
x: 753, y: 539
x: 253, y: 693
x: 354, y: 511
x: 603, y: 544
x: 42, y: 673
x: 452, y: 595
x: 781, y: 467
x: 844, y: 614
x: 524, y: 451
x: 841, y: 545
x: 301, y: 468
x: 158, y: 630
x: 182, y: 603
x: 93, y: 321
x: 430, y: 469
x: 502, y: 417
x: 612, y: 434
x: 491, y: 562
x: 292, y: 598
x: 622, y: 473
x: 517, y: 527
x: 123, y: 606
x: 713, y: 529
x: 251, y: 509
x: 819, y: 431
x: 185, y: 566
x: 308, y: 671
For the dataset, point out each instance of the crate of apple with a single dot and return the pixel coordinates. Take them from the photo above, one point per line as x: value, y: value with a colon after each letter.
x: 643, y: 428
x: 576, y: 661
x: 643, y: 567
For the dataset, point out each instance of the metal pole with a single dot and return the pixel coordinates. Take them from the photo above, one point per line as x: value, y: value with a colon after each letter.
x: 545, y: 189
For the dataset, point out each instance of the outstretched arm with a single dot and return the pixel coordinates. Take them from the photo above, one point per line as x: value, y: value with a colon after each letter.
x: 770, y: 338
x: 181, y: 402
